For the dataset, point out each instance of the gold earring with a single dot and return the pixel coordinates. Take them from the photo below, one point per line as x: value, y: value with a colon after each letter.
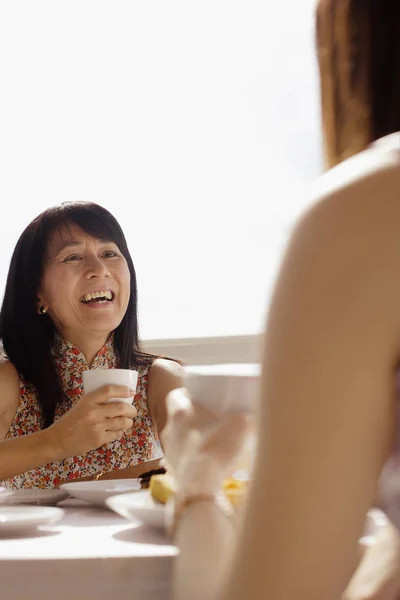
x: 43, y: 310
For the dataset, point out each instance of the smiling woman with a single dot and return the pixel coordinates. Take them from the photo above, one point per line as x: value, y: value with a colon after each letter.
x: 86, y: 286
x: 71, y: 304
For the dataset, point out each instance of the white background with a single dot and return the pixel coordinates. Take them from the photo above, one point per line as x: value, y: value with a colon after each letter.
x: 195, y: 123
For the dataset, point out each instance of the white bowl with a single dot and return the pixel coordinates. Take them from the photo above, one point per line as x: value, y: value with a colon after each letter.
x: 16, y: 519
x: 97, y: 492
x: 35, y: 496
x: 139, y: 507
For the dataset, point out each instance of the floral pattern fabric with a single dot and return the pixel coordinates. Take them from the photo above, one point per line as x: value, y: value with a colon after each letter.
x: 137, y: 445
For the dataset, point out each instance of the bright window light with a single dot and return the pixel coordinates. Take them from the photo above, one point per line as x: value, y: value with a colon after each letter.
x: 195, y: 123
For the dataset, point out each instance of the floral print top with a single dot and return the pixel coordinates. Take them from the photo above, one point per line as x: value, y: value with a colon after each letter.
x: 137, y: 445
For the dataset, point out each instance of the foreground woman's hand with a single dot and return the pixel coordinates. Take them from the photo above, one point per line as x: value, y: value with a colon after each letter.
x: 91, y: 422
x: 377, y: 576
x: 200, y: 445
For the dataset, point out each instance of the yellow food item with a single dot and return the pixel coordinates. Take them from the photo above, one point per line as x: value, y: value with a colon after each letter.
x: 234, y: 490
x: 162, y: 487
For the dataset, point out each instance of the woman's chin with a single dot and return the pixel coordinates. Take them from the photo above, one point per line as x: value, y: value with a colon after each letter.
x: 103, y: 319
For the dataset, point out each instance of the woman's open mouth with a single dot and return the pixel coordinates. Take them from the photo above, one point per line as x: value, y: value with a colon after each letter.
x: 96, y: 298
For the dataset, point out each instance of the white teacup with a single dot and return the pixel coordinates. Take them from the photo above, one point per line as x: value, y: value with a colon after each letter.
x: 96, y: 378
x: 232, y: 388
x: 228, y: 388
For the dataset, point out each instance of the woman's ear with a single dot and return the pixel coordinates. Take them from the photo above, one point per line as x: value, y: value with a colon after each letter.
x: 41, y: 307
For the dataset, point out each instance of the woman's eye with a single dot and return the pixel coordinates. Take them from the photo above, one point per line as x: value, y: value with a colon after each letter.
x: 72, y: 258
x: 109, y: 254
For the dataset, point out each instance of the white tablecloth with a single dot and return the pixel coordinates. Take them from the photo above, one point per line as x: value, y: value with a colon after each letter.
x: 91, y: 554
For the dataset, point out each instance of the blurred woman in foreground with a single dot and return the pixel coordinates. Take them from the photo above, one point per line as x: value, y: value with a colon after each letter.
x: 328, y: 400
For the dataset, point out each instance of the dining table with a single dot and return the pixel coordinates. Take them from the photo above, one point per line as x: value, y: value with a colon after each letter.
x: 90, y: 554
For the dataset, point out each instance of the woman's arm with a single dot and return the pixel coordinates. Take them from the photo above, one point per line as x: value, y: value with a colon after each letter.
x: 91, y: 423
x: 327, y: 395
x: 201, y: 568
x: 201, y: 447
x: 206, y: 540
x: 377, y: 576
x: 164, y: 376
x: 21, y: 454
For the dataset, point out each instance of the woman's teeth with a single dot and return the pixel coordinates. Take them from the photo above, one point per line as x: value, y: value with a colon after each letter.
x: 100, y: 297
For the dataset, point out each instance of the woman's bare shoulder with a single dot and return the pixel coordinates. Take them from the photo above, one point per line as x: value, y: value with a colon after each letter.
x: 9, y: 394
x: 378, y: 165
x: 8, y: 373
x: 164, y: 376
x: 354, y: 210
x: 343, y: 257
x: 327, y: 412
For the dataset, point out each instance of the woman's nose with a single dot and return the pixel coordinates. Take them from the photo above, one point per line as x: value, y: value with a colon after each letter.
x: 96, y: 268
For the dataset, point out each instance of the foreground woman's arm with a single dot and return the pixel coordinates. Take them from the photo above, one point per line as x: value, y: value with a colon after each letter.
x: 377, y: 577
x: 327, y: 400
x: 201, y: 447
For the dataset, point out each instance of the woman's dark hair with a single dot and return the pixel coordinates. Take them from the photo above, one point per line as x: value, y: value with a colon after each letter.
x: 28, y: 337
x: 358, y: 48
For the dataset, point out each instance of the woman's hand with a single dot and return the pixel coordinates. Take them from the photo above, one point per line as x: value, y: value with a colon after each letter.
x: 377, y: 576
x: 91, y: 422
x: 200, y: 445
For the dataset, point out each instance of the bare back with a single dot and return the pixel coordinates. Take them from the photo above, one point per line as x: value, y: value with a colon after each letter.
x: 332, y: 345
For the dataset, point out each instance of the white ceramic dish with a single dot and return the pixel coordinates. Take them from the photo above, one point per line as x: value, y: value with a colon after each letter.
x: 48, y: 497
x: 97, y: 492
x: 5, y: 494
x: 17, y: 519
x: 139, y: 507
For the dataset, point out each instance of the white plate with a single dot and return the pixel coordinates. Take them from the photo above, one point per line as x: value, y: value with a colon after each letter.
x: 97, y: 492
x: 139, y: 506
x: 14, y: 519
x: 5, y: 494
x: 47, y: 497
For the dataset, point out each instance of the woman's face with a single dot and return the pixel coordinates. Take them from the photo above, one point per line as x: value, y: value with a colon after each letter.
x: 85, y: 285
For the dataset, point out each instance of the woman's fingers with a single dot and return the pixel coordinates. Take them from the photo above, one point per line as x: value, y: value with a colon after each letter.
x: 228, y: 438
x: 119, y: 409
x: 119, y: 423
x: 178, y: 403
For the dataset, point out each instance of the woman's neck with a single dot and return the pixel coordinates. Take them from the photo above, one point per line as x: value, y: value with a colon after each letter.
x: 88, y: 343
